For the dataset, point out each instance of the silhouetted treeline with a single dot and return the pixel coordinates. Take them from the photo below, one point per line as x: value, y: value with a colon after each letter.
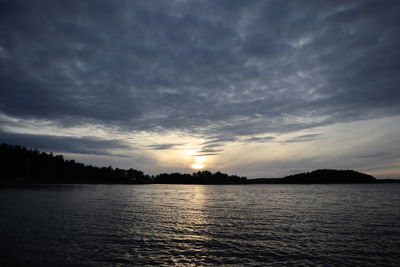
x: 200, y: 177
x: 25, y: 165
x: 21, y: 165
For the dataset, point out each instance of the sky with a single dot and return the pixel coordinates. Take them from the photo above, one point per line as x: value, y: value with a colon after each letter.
x: 253, y: 88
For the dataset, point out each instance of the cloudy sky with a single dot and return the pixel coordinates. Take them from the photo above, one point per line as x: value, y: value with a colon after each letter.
x: 255, y: 88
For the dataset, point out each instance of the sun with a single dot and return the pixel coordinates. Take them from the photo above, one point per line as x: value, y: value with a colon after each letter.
x: 197, y: 165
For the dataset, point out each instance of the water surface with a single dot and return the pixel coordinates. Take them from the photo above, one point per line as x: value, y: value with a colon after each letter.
x: 200, y: 225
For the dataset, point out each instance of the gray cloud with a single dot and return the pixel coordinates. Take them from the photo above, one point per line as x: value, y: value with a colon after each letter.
x: 215, y: 151
x: 304, y: 138
x: 374, y: 155
x: 214, y: 68
x: 212, y: 145
x: 66, y: 144
x: 211, y: 148
x: 205, y: 154
x: 259, y: 139
x: 218, y: 140
x: 162, y: 146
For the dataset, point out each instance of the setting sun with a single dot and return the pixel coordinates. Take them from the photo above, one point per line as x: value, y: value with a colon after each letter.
x: 197, y: 165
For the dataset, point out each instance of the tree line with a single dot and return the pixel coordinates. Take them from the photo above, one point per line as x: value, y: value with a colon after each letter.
x: 20, y: 164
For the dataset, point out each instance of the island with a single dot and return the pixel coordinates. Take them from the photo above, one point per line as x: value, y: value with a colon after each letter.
x: 322, y: 176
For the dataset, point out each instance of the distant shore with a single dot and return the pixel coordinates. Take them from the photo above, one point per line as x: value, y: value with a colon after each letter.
x: 21, y: 166
x: 282, y: 181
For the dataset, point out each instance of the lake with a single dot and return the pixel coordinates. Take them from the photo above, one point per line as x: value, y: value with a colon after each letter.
x: 200, y: 225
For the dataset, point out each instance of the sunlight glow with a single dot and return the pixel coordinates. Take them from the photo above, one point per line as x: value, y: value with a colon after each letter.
x: 197, y: 166
x: 199, y: 163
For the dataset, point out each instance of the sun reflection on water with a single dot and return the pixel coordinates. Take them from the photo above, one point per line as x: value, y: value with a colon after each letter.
x: 192, y: 218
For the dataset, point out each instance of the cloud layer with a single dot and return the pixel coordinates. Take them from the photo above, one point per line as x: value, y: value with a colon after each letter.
x: 222, y: 66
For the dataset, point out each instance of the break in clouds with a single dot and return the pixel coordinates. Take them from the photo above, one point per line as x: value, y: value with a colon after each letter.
x: 220, y: 70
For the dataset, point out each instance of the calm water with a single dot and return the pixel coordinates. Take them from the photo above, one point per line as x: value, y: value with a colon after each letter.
x: 200, y: 225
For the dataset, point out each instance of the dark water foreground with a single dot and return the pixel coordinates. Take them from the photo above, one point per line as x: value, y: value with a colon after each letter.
x: 200, y: 225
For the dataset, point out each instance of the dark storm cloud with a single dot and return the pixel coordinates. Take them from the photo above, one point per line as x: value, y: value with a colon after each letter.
x: 51, y: 143
x: 216, y: 68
